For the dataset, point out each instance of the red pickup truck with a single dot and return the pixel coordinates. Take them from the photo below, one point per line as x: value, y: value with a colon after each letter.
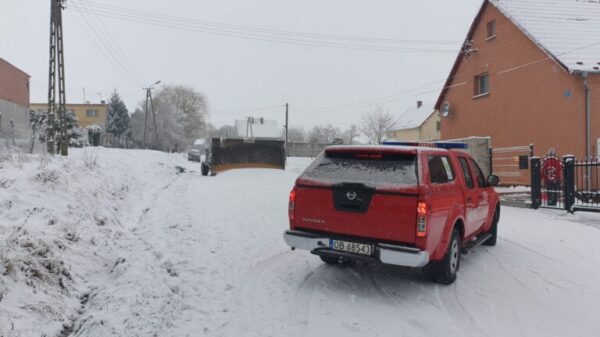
x: 413, y: 206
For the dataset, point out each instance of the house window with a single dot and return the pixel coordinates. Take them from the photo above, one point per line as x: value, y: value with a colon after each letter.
x: 91, y: 113
x: 491, y: 29
x: 438, y: 126
x: 482, y: 85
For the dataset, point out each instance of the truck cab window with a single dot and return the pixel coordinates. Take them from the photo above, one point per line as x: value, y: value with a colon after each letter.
x: 466, y: 173
x: 440, y: 170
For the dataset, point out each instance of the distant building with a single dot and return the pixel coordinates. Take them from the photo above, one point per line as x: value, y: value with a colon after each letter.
x: 87, y: 114
x: 14, y: 101
x: 419, y: 122
x: 258, y: 128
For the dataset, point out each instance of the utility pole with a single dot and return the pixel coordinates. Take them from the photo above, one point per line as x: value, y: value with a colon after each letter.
x: 149, y: 101
x: 287, y: 110
x: 57, y: 67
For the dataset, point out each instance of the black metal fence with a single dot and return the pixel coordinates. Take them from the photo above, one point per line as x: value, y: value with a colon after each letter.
x: 565, y: 184
x: 586, y: 176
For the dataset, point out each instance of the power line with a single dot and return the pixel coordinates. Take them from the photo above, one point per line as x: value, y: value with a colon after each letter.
x: 258, y: 109
x: 243, y: 28
x: 167, y: 22
x: 95, y: 37
x: 388, y: 99
x: 113, y: 44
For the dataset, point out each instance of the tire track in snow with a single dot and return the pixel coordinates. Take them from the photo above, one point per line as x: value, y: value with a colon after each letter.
x: 249, y: 298
x: 449, y: 297
x: 300, y: 310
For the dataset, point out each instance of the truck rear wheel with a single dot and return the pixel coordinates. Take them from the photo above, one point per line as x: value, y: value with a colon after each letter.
x: 204, y: 168
x: 446, y: 270
x: 329, y: 260
x: 494, y: 230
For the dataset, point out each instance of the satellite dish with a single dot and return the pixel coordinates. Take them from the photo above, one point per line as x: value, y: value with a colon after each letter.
x: 445, y: 109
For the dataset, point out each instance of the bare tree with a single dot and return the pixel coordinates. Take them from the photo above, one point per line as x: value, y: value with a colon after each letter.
x: 350, y: 134
x: 191, y: 105
x: 324, y: 134
x: 376, y: 124
x: 296, y: 135
x: 226, y: 131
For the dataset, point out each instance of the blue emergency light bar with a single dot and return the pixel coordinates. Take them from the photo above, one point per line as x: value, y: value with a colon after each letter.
x: 440, y: 145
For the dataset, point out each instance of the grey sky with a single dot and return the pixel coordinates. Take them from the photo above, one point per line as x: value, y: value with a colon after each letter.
x: 240, y: 74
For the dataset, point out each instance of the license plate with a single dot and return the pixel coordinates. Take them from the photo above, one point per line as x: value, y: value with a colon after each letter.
x: 351, y: 247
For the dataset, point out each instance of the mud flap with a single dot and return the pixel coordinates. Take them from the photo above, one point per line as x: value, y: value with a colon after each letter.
x: 231, y: 153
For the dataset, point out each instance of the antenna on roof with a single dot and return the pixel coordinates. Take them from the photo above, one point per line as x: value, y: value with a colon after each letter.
x: 468, y: 48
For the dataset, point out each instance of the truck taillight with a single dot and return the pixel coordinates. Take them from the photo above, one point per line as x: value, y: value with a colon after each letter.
x: 421, y: 219
x: 292, y: 204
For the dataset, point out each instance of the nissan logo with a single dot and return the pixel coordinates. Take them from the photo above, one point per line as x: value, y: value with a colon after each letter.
x: 351, y: 195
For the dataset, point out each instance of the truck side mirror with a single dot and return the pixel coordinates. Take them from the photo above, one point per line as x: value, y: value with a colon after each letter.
x: 493, y: 180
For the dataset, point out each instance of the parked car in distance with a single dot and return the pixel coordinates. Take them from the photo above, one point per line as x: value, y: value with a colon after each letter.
x: 413, y: 206
x: 195, y: 155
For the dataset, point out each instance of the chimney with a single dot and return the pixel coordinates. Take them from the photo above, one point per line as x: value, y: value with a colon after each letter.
x: 419, y: 104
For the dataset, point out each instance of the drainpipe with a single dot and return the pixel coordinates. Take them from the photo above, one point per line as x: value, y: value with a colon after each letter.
x: 588, y: 116
x: 588, y: 127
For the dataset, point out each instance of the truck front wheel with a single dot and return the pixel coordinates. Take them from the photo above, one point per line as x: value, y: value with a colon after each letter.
x: 446, y: 270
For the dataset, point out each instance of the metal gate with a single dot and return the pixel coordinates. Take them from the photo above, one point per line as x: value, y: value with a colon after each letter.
x: 566, y: 184
x: 547, y: 182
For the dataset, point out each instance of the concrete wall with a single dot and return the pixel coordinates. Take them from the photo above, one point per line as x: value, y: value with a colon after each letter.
x: 304, y: 149
x: 532, y: 99
x: 479, y: 149
x: 20, y: 117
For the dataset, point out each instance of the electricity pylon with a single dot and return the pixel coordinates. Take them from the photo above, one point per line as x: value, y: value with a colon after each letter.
x: 57, y: 69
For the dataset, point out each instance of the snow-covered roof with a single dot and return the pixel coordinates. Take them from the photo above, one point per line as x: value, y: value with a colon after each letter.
x: 261, y: 128
x: 414, y: 117
x: 568, y: 30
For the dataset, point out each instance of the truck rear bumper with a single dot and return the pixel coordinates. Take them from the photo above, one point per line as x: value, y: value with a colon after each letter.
x: 384, y: 253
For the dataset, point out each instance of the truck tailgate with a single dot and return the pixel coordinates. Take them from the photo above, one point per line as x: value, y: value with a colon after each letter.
x: 357, y: 210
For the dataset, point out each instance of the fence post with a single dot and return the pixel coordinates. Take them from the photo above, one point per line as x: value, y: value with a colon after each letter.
x: 531, y: 148
x: 536, y: 182
x: 569, y: 179
x: 491, y: 153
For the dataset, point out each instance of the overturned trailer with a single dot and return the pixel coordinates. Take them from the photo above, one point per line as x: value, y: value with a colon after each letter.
x: 235, y: 153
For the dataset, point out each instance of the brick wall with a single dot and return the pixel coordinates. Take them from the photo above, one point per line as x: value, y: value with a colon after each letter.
x: 14, y: 84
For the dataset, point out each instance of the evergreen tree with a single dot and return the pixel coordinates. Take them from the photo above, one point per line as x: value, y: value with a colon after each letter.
x: 117, y: 118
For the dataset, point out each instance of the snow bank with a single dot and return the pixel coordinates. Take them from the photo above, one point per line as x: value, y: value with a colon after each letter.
x: 61, y: 223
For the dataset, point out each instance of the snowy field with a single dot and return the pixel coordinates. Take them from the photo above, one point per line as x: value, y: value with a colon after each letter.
x: 117, y: 243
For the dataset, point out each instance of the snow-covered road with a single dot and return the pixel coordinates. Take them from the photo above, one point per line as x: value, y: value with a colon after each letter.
x: 204, y: 256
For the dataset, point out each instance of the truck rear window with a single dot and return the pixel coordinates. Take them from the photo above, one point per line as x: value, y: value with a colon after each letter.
x: 369, y: 169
